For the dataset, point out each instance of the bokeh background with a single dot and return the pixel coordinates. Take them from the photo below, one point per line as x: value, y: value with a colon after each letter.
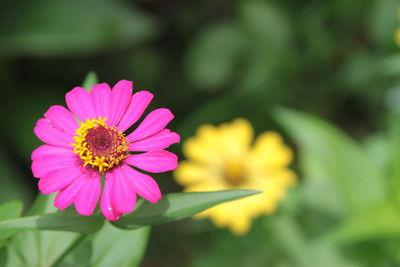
x: 211, y: 61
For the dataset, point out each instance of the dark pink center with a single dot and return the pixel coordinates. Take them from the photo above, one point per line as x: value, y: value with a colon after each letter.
x: 102, y: 141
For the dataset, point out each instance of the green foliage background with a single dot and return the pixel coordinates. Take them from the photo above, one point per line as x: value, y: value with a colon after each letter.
x: 213, y: 61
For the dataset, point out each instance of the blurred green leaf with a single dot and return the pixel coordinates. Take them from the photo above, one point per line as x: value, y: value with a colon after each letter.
x: 338, y: 158
x: 393, y: 149
x: 117, y: 247
x: 90, y: 80
x: 392, y: 99
x: 80, y: 256
x: 216, y: 247
x: 266, y: 25
x: 359, y: 70
x: 390, y: 65
x: 269, y: 44
x: 320, y: 41
x: 9, y: 211
x: 68, y: 251
x: 48, y: 28
x: 43, y: 204
x: 379, y: 221
x: 212, y: 59
x: 40, y: 248
x: 12, y: 183
x: 3, y: 256
x: 258, y: 43
x: 20, y: 126
x: 173, y: 207
x: 382, y: 22
x: 376, y: 147
x: 16, y: 253
x: 314, y: 191
x: 214, y: 111
x: 288, y: 235
x: 56, y: 222
x: 302, y: 250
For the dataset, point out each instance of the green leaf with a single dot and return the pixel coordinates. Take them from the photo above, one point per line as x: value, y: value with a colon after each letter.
x: 377, y: 222
x: 43, y: 205
x: 80, y: 256
x: 337, y: 158
x: 117, y: 247
x: 178, y: 206
x: 40, y: 248
x: 56, y: 222
x: 67, y: 251
x: 90, y: 80
x: 9, y: 211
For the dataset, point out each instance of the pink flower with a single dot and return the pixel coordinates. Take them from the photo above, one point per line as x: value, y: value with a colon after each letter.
x: 77, y: 154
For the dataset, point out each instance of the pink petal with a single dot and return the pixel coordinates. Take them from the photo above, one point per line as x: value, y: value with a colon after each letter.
x: 106, y: 205
x: 88, y: 195
x: 160, y: 140
x: 101, y: 95
x: 67, y: 196
x: 62, y: 119
x: 58, y: 179
x: 50, y: 135
x: 154, y: 161
x: 81, y: 104
x: 153, y: 123
x: 46, y: 150
x: 137, y: 106
x: 123, y: 195
x: 120, y: 97
x: 46, y: 164
x: 143, y: 184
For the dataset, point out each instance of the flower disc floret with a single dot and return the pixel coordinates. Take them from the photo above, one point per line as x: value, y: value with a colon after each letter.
x: 100, y: 146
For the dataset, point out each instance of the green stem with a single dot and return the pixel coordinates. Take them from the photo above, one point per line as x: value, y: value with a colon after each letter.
x: 68, y: 250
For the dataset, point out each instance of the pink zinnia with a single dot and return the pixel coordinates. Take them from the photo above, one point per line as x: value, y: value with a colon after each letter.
x: 77, y: 154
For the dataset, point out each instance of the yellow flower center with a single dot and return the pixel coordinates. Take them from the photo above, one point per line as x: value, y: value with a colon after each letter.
x: 100, y: 146
x: 234, y: 173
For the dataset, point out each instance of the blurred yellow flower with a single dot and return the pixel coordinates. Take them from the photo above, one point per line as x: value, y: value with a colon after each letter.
x: 223, y: 157
x: 397, y: 37
x: 397, y: 33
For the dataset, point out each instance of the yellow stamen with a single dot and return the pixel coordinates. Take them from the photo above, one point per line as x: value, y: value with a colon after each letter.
x: 92, y: 152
